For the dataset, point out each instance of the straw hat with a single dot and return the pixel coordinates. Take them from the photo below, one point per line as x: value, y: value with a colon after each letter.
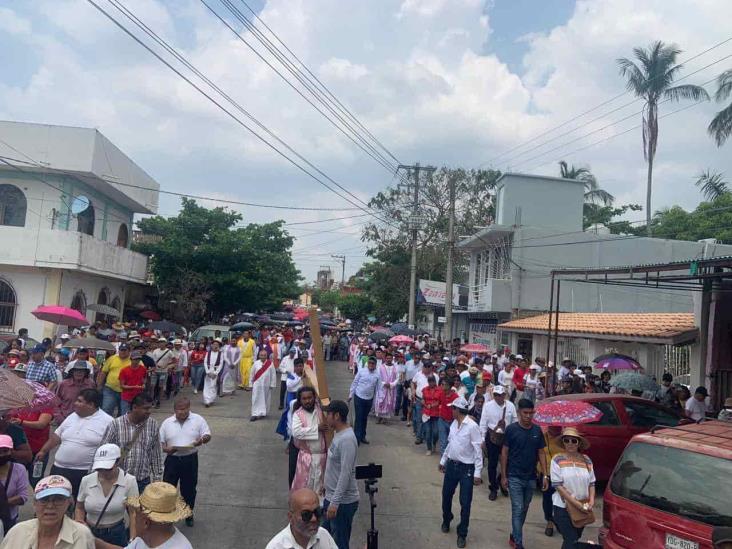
x: 161, y: 503
x: 573, y: 432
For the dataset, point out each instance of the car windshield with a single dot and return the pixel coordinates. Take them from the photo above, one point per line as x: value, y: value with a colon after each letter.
x: 676, y: 481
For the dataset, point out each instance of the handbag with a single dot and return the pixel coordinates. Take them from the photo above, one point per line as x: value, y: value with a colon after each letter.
x: 496, y: 437
x: 579, y: 517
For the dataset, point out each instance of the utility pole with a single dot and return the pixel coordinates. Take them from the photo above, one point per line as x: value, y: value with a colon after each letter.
x: 343, y: 268
x: 450, y: 259
x: 415, y: 221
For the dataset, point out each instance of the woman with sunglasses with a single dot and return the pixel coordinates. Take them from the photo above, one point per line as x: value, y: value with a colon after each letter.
x: 573, y: 478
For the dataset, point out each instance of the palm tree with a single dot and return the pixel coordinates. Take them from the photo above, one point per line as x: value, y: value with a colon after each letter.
x: 712, y: 185
x: 651, y: 79
x: 593, y: 193
x: 721, y: 126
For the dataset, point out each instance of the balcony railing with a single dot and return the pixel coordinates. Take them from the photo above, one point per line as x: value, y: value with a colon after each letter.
x: 494, y: 295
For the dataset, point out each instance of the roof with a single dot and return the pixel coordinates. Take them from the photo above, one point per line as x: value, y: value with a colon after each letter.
x: 500, y: 181
x: 682, y: 264
x: 667, y: 328
x: 710, y: 437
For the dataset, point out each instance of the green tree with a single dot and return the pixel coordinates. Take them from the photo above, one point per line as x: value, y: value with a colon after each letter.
x: 596, y: 214
x: 246, y: 267
x: 711, y: 219
x: 651, y: 79
x: 327, y: 300
x: 593, y: 193
x: 712, y: 185
x: 721, y: 125
x: 355, y: 306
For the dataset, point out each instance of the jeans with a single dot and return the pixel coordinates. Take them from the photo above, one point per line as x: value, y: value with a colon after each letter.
x: 417, y: 418
x: 196, y: 375
x: 521, y: 491
x: 457, y: 473
x: 111, y: 400
x: 116, y: 534
x: 142, y: 484
x: 362, y: 408
x: 444, y: 428
x: 183, y: 469
x: 340, y: 526
x: 570, y: 534
x: 159, y: 380
x: 430, y: 429
x: 124, y: 407
x: 547, y: 504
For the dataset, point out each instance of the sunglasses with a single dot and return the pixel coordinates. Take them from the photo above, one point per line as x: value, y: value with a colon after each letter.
x: 308, y: 515
x: 570, y: 440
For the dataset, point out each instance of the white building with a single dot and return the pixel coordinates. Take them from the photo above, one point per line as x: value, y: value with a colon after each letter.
x: 67, y: 201
x: 539, y: 228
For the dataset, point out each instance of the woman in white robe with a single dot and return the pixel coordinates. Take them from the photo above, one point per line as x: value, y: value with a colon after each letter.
x: 212, y: 365
x: 263, y: 379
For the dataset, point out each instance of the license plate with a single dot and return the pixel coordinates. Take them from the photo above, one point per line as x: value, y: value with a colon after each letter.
x: 675, y: 542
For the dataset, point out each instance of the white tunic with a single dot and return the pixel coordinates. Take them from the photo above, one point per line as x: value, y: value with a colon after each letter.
x: 310, y: 435
x: 211, y: 371
x: 262, y: 388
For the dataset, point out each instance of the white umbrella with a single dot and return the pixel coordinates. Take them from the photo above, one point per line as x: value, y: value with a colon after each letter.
x: 104, y: 309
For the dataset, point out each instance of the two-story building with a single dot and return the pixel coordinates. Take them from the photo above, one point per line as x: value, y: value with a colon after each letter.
x: 67, y: 201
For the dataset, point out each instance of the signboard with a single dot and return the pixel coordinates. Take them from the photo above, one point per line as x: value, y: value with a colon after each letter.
x: 484, y: 332
x: 433, y: 293
x: 441, y: 319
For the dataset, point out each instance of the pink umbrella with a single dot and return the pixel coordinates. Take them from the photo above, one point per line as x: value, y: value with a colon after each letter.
x: 565, y: 413
x: 475, y: 348
x: 57, y: 314
x: 401, y: 339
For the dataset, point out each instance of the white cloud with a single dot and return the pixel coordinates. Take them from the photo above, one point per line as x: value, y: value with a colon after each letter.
x: 12, y: 23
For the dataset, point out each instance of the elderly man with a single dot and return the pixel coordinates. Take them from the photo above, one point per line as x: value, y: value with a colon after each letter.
x: 137, y: 434
x: 304, y: 528
x: 41, y: 370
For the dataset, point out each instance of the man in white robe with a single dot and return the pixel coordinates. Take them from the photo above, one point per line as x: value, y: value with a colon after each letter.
x: 230, y: 371
x: 308, y: 433
x: 212, y: 365
x: 262, y: 380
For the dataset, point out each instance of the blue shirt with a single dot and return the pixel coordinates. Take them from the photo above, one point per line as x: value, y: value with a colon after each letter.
x: 364, y: 384
x: 523, y: 450
x: 41, y: 372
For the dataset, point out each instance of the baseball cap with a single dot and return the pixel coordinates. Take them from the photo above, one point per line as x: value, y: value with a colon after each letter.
x: 106, y: 456
x: 162, y: 339
x: 6, y: 442
x: 135, y: 355
x: 460, y: 402
x: 82, y: 350
x: 292, y: 350
x: 65, y: 336
x: 53, y: 485
x: 499, y: 390
x: 38, y: 349
x: 519, y: 357
x: 124, y: 347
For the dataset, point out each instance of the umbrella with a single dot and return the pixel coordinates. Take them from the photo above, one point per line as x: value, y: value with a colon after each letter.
x: 165, y: 326
x: 241, y: 326
x: 294, y: 323
x: 104, y: 309
x: 475, y: 348
x: 42, y: 399
x: 90, y: 343
x: 403, y: 329
x: 14, y: 392
x: 616, y: 361
x: 150, y: 315
x: 401, y: 339
x: 58, y: 314
x: 632, y: 381
x: 281, y: 316
x: 380, y: 336
x: 564, y: 413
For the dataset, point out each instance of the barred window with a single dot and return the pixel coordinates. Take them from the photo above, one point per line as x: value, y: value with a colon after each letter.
x: 7, y: 307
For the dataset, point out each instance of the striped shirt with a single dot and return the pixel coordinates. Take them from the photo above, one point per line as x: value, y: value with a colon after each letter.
x: 144, y: 457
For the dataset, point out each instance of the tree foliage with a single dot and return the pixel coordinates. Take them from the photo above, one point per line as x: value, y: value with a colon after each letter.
x: 712, y: 185
x: 712, y: 219
x: 596, y: 214
x: 355, y: 306
x: 721, y: 125
x: 247, y: 267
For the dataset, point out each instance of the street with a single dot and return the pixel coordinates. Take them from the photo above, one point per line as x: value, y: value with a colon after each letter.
x: 242, y: 490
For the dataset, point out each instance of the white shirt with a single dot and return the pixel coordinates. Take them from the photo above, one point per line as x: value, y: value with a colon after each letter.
x: 506, y: 379
x: 175, y: 433
x: 420, y: 382
x: 176, y: 541
x: 492, y: 414
x: 285, y: 540
x: 80, y: 438
x: 94, y: 500
x: 696, y: 409
x: 464, y: 444
x: 287, y: 366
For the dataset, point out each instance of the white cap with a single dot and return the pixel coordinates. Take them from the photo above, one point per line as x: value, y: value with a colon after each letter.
x: 106, y: 456
x: 65, y: 336
x: 460, y: 402
x: 499, y: 390
x: 577, y: 372
x: 534, y: 367
x: 519, y: 357
x: 494, y: 356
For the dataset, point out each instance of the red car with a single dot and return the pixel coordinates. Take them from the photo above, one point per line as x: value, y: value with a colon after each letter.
x: 671, y: 488
x: 623, y: 417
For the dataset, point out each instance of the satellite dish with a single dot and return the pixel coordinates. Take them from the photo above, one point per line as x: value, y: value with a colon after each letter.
x: 79, y: 204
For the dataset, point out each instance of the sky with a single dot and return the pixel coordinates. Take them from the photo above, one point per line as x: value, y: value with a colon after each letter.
x: 464, y: 83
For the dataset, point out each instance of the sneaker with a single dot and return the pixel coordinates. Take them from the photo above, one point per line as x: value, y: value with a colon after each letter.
x: 493, y: 495
x: 461, y: 541
x: 195, y: 391
x: 418, y: 441
x: 428, y: 453
x: 445, y: 527
x: 511, y: 543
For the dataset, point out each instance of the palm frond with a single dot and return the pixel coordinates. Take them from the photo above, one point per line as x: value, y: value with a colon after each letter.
x: 712, y: 185
x: 724, y: 86
x: 721, y: 125
x: 599, y: 196
x: 686, y: 91
x: 636, y: 80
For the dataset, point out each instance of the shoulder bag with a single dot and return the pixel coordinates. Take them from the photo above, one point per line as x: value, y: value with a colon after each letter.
x: 496, y: 435
x: 104, y: 509
x: 579, y: 517
x: 125, y: 450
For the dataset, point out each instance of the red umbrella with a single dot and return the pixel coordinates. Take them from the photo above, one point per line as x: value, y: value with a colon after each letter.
x: 150, y: 315
x: 475, y: 348
x: 58, y: 314
x: 565, y: 413
x: 401, y: 339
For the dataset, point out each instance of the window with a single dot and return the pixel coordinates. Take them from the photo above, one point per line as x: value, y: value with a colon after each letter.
x: 85, y: 216
x: 78, y: 303
x: 13, y: 206
x: 123, y: 236
x: 609, y: 414
x: 675, y: 481
x: 645, y: 415
x: 7, y: 306
x: 117, y: 304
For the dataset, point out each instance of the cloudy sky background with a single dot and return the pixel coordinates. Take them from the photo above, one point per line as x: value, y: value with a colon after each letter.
x: 441, y: 82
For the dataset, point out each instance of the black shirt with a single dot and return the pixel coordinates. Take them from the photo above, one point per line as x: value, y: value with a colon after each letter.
x: 523, y: 450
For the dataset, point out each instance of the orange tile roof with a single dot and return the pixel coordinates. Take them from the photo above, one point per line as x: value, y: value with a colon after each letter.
x: 636, y: 325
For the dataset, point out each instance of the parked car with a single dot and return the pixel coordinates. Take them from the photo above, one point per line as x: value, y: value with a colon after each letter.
x: 670, y: 489
x: 623, y: 416
x: 209, y: 330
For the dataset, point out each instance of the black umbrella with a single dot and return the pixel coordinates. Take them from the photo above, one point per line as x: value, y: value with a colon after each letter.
x: 165, y: 326
x: 241, y: 326
x: 281, y: 316
x: 403, y: 329
x: 380, y: 336
x: 326, y: 322
x: 611, y: 356
x: 294, y: 323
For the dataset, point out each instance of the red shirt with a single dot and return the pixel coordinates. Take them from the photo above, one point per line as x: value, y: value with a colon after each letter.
x: 197, y: 357
x: 36, y: 437
x: 132, y: 376
x: 518, y: 378
x: 431, y: 400
x: 445, y: 410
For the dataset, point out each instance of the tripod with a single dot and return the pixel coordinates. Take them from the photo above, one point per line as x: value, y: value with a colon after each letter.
x: 372, y: 536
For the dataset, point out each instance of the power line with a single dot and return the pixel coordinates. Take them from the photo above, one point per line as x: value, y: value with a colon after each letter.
x: 593, y: 109
x: 232, y: 115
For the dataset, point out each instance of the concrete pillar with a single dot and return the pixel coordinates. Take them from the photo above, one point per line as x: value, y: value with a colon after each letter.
x: 52, y: 296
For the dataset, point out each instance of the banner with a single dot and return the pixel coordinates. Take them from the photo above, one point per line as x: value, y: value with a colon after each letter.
x: 485, y: 333
x: 433, y: 293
